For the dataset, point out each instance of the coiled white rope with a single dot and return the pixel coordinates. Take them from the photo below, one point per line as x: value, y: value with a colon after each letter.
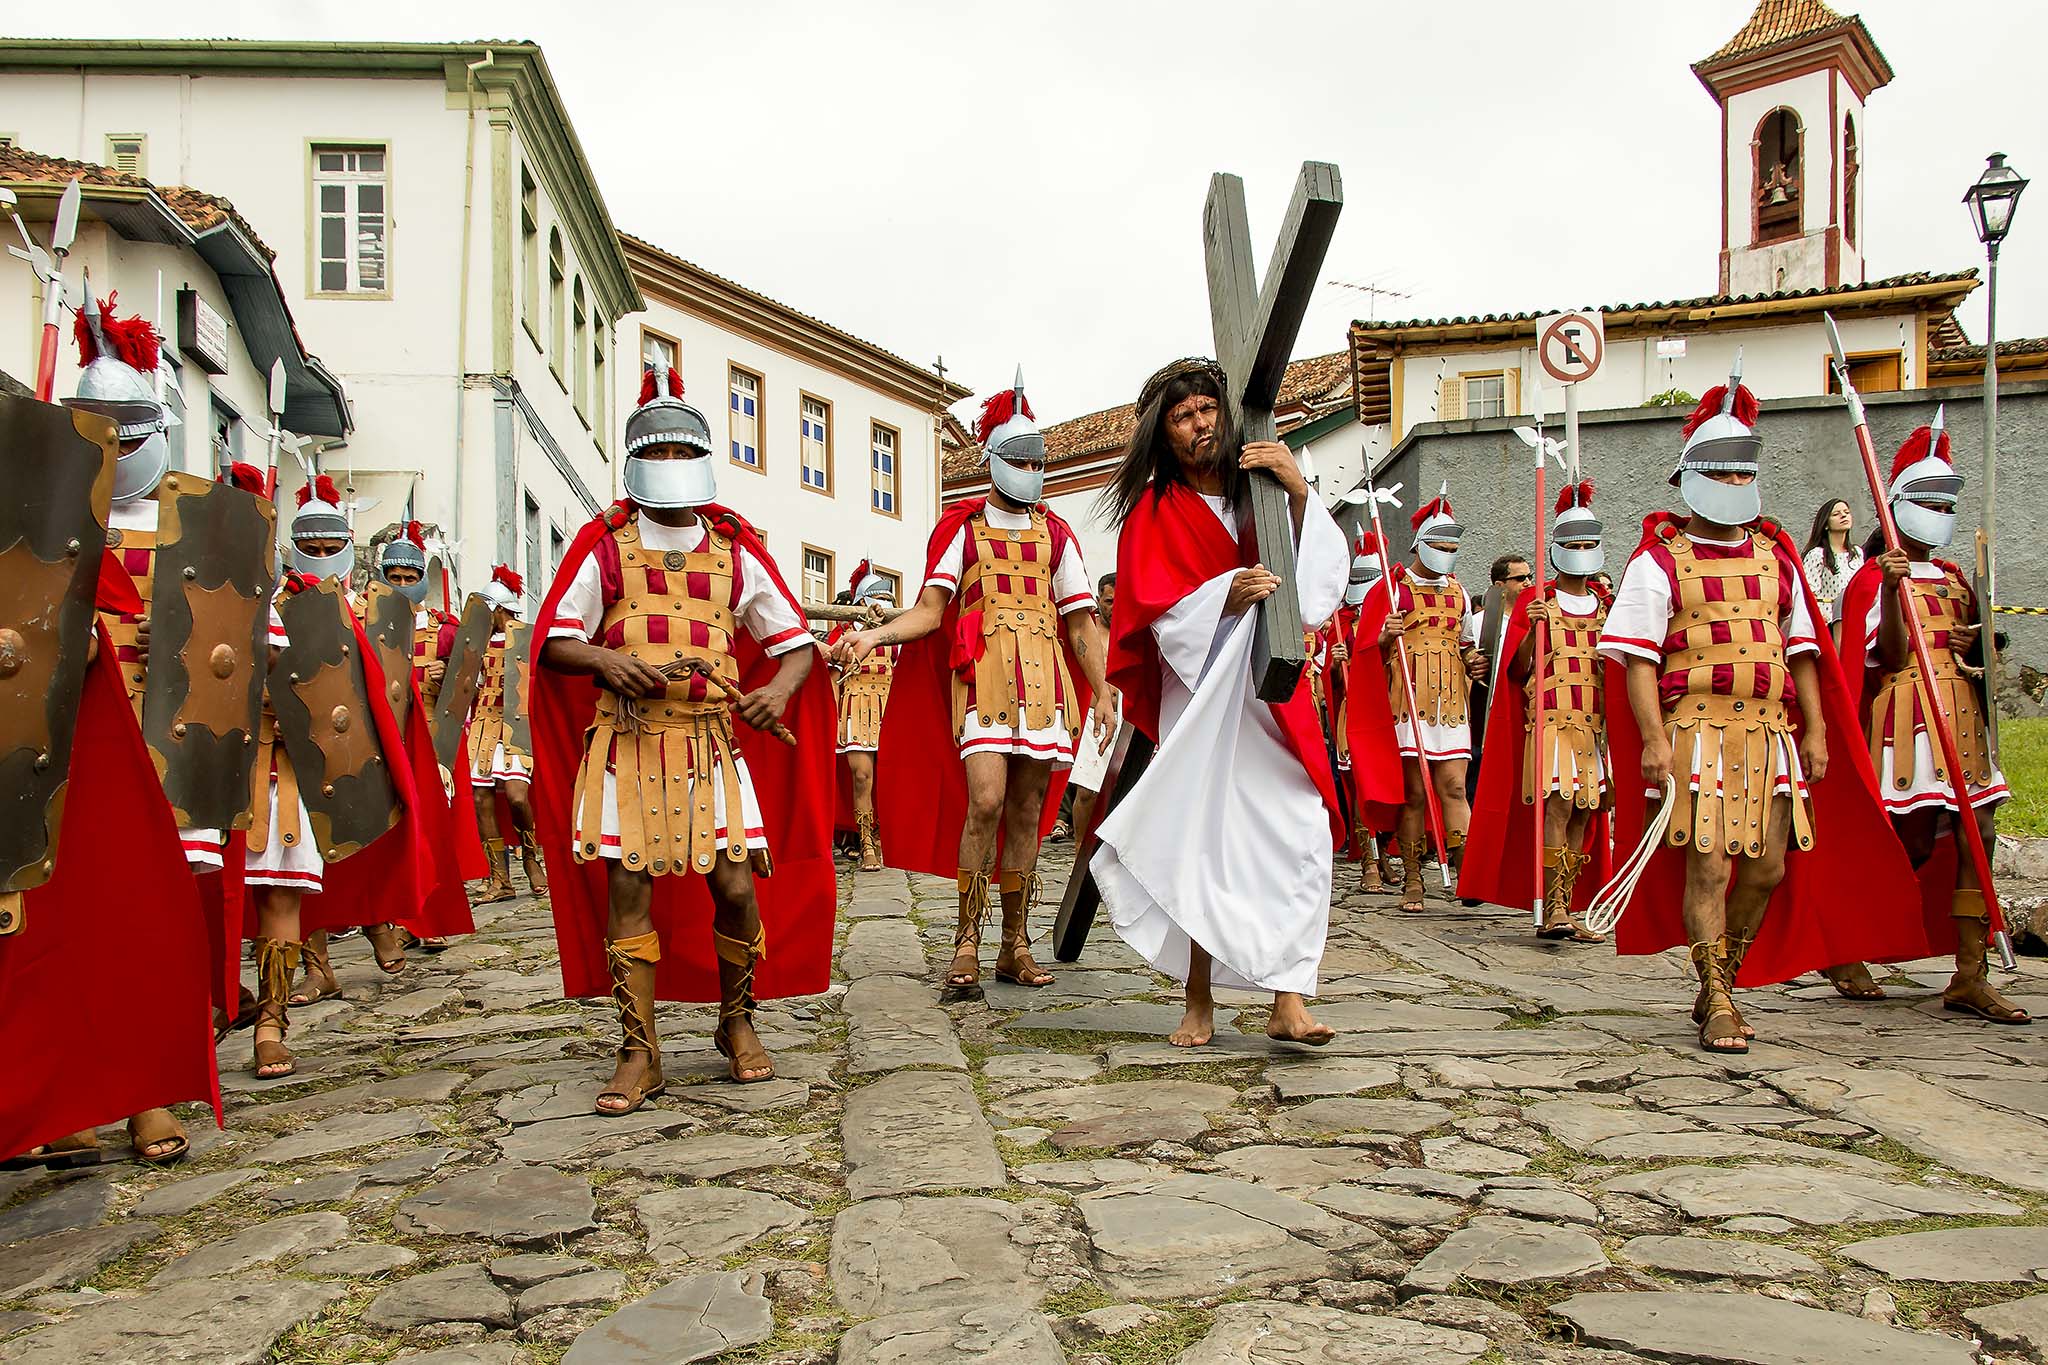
x: 1605, y: 911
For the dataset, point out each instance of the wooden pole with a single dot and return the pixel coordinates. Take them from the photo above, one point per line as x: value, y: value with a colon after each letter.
x: 1539, y: 781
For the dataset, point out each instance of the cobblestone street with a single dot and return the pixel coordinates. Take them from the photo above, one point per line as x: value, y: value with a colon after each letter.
x: 1512, y: 1152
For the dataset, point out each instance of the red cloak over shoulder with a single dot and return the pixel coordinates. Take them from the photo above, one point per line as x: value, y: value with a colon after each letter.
x: 1499, y: 866
x: 1170, y: 545
x: 1851, y: 898
x: 118, y: 945
x: 798, y: 902
x: 920, y: 780
x: 1377, y: 784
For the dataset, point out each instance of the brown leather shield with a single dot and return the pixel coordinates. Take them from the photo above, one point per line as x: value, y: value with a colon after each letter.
x: 518, y: 682
x: 387, y: 620
x: 209, y: 629
x: 320, y: 694
x: 458, y: 685
x: 58, y: 468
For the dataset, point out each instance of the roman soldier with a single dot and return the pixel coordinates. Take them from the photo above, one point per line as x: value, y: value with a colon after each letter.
x: 1917, y: 792
x: 863, y: 695
x: 1374, y: 869
x: 498, y: 767
x: 1012, y: 605
x: 1729, y: 706
x: 1570, y: 776
x: 1426, y: 607
x: 668, y: 620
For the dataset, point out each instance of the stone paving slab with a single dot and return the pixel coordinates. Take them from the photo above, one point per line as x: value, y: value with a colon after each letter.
x: 221, y: 1322
x: 1748, y: 1329
x: 913, y: 1131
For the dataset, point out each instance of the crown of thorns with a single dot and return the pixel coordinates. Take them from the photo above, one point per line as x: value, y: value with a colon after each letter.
x: 1179, y: 369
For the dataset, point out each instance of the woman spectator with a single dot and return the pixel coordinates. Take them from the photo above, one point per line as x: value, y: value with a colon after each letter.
x: 1831, y: 560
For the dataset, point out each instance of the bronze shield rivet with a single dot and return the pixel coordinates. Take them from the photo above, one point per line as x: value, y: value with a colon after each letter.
x: 339, y: 720
x: 178, y: 730
x: 191, y: 572
x: 13, y: 652
x: 222, y: 660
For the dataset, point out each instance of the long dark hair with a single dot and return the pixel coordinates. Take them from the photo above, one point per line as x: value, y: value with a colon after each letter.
x: 1819, y: 539
x: 1149, y: 461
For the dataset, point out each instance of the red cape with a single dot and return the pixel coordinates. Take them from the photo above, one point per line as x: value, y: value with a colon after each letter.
x: 1499, y: 866
x: 119, y: 941
x: 1170, y: 545
x: 393, y: 876
x: 1938, y: 873
x: 1851, y: 898
x: 920, y: 780
x: 1377, y: 784
x: 794, y: 786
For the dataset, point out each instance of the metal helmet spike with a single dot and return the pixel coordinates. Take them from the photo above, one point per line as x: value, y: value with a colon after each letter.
x: 1939, y: 423
x: 1734, y: 383
x: 91, y: 312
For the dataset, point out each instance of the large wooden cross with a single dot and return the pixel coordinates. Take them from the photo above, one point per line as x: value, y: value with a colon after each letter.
x: 1255, y: 327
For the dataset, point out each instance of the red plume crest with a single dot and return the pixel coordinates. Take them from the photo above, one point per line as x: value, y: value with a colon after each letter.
x: 322, y: 488
x: 132, y: 339
x: 860, y: 571
x: 649, y: 388
x: 1368, y: 544
x: 504, y: 574
x: 246, y: 477
x: 1001, y: 406
x: 1917, y: 448
x: 1710, y: 406
x: 1430, y: 509
x: 1578, y: 494
x: 415, y: 535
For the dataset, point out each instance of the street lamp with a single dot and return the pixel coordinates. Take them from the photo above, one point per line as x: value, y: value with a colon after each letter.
x: 1991, y: 202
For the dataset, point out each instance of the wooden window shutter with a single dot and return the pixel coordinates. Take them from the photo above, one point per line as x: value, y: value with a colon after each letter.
x: 1450, y: 398
x: 1511, y: 393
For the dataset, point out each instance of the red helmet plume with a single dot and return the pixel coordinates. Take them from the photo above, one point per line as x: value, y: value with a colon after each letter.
x: 322, y: 488
x: 131, y: 340
x: 415, y: 535
x: 1001, y: 406
x: 860, y: 571
x: 1744, y: 410
x: 1578, y: 494
x: 1437, y: 504
x: 1924, y: 441
x: 504, y: 575
x: 246, y: 477
x: 650, y: 386
x: 1368, y: 544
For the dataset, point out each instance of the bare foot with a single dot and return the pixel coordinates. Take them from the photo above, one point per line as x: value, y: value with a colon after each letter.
x: 1291, y: 1022
x: 632, y: 1081
x: 1197, y: 1027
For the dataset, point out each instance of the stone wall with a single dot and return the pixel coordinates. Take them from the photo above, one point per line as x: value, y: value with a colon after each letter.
x: 1809, y: 456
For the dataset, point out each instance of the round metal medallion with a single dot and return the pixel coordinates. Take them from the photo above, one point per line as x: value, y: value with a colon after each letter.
x: 113, y: 537
x: 674, y: 560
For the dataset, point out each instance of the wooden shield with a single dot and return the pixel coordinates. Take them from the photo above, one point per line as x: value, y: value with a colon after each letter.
x: 387, y: 620
x: 458, y: 685
x: 320, y: 693
x: 519, y: 646
x: 209, y: 628
x: 1127, y: 763
x: 59, y: 472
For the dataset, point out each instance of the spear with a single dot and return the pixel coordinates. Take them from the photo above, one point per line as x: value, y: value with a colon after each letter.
x: 1539, y: 781
x: 1429, y: 801
x: 1930, y: 699
x: 51, y: 272
x: 276, y: 398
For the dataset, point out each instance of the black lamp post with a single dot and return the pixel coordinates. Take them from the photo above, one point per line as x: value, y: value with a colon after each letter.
x: 1991, y: 202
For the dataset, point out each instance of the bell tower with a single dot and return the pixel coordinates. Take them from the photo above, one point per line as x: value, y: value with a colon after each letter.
x: 1791, y: 85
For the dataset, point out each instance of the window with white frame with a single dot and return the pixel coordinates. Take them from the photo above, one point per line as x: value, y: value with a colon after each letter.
x: 557, y: 301
x: 815, y: 445
x: 817, y: 576
x: 597, y: 390
x: 227, y: 433
x: 351, y: 220
x: 1484, y: 396
x: 529, y: 248
x: 882, y: 445
x: 580, y: 354
x: 895, y: 582
x: 658, y: 351
x: 743, y: 415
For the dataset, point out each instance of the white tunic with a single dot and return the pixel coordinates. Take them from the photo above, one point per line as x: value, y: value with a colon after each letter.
x: 762, y: 613
x: 1225, y: 841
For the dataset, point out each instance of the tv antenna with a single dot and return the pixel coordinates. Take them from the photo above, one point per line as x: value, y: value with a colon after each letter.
x: 1373, y: 292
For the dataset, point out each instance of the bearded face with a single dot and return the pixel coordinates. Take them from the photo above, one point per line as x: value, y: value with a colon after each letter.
x: 1193, y: 432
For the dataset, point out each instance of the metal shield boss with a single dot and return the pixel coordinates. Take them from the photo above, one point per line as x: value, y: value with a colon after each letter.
x: 518, y: 686
x: 59, y: 471
x: 209, y: 629
x: 459, y: 682
x: 387, y: 621
x: 320, y: 694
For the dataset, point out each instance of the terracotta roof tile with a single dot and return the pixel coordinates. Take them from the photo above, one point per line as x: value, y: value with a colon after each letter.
x: 1975, y: 350
x: 1779, y: 21
x: 197, y: 209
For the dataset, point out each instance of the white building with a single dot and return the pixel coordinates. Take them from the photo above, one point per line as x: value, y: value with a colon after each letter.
x: 830, y: 444
x: 191, y: 264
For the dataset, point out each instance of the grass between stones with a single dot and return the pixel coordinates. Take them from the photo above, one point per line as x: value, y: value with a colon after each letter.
x: 1159, y: 1342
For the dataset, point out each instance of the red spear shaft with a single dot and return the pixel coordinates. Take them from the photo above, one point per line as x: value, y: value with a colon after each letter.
x: 1539, y: 780
x: 1930, y: 701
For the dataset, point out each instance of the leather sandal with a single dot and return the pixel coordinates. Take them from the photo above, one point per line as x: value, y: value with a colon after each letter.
x: 385, y: 947
x: 870, y: 847
x: 158, y: 1128
x: 1720, y: 1023
x: 66, y: 1153
x: 736, y: 959
x: 632, y: 967
x: 535, y: 868
x: 1413, y: 894
x: 966, y: 967
x: 245, y: 1015
x: 1970, y: 991
x: 276, y: 960
x: 320, y: 983
x: 1559, y: 923
x: 1852, y: 981
x: 1014, y: 962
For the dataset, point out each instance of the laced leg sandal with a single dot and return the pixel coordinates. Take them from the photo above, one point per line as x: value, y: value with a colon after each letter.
x: 1369, y: 878
x: 966, y: 968
x: 1970, y: 991
x: 1014, y: 963
x: 498, y: 886
x: 158, y: 1129
x: 1413, y: 892
x: 320, y: 983
x: 632, y: 965
x: 1385, y: 863
x: 1558, y: 920
x: 1852, y: 981
x: 1719, y: 1024
x: 870, y: 847
x: 531, y: 863
x: 736, y: 959
x: 1734, y: 948
x: 385, y: 946
x: 276, y: 960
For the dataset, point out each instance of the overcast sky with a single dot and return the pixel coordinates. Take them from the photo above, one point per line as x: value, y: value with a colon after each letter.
x: 1024, y: 181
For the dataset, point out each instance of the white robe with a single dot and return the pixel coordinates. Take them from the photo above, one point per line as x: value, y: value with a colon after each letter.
x: 1225, y: 841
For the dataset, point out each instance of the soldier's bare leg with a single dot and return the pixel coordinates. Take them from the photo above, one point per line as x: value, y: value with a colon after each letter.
x: 1749, y: 895
x: 1198, y: 1026
x: 277, y: 929
x: 1970, y: 990
x: 519, y: 796
x: 1023, y: 812
x: 1449, y: 776
x: 987, y: 781
x: 629, y: 935
x: 1564, y: 838
x: 860, y: 767
x: 737, y: 937
x: 498, y: 885
x: 1705, y: 915
x: 1412, y: 830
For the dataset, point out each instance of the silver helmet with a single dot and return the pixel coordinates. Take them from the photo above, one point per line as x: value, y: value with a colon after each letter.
x: 868, y: 586
x: 1434, y: 521
x: 663, y: 418
x: 406, y: 550
x: 1365, y: 569
x: 320, y: 517
x: 121, y: 359
x: 1574, y: 521
x: 1012, y: 445
x: 1925, y: 486
x: 1720, y: 438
